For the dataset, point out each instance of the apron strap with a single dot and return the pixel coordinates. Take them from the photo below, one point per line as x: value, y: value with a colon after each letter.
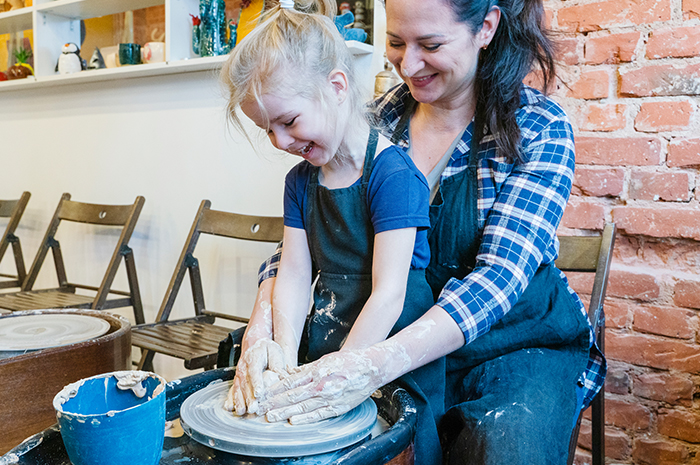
x: 369, y: 154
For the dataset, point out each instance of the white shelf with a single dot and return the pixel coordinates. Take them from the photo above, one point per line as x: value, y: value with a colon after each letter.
x: 82, y: 9
x: 55, y: 22
x: 136, y: 71
x: 16, y: 20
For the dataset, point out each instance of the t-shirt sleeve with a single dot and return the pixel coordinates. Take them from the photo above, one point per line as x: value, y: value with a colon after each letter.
x: 295, y: 195
x: 398, y: 193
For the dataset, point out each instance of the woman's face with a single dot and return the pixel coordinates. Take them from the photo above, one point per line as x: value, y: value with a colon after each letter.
x: 434, y: 53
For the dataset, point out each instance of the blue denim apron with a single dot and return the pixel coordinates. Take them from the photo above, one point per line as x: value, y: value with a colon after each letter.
x: 511, y: 393
x: 341, y: 240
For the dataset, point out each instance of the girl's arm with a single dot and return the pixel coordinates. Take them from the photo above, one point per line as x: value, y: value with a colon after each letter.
x: 271, y: 340
x: 391, y: 261
x: 292, y: 293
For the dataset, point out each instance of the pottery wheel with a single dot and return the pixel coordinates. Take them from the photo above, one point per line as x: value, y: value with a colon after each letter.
x: 204, y: 418
x: 42, y: 331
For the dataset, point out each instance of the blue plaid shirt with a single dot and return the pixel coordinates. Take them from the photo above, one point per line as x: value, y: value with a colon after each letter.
x: 520, y: 206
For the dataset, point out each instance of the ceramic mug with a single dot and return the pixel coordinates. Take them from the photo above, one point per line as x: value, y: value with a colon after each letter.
x: 129, y: 54
x: 153, y: 52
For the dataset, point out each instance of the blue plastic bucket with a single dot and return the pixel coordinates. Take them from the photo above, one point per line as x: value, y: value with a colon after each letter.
x: 113, y: 418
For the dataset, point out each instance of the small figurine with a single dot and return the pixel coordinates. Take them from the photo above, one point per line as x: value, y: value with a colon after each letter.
x: 343, y: 8
x: 344, y: 23
x: 96, y: 60
x: 385, y: 80
x: 21, y: 69
x: 70, y: 61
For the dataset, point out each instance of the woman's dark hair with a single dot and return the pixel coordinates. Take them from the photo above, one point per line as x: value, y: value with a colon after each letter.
x: 520, y: 41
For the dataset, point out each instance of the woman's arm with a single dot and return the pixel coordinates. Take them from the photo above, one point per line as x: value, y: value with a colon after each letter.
x: 340, y: 381
x: 391, y: 261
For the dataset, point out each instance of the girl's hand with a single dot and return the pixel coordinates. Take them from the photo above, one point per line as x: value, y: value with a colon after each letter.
x: 260, y: 366
x: 334, y: 384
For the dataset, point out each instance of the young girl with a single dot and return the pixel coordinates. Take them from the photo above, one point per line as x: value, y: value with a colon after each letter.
x: 355, y: 214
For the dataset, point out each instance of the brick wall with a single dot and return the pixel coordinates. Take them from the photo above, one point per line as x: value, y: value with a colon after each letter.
x: 630, y: 81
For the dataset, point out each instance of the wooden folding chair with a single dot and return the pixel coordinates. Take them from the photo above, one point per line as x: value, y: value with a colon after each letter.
x: 196, y: 340
x: 593, y: 255
x: 65, y: 296
x: 13, y: 209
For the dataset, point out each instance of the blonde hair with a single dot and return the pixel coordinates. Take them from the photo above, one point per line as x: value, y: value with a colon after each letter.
x: 291, y: 50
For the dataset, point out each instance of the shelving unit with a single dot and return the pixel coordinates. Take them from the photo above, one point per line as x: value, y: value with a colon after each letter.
x: 55, y: 22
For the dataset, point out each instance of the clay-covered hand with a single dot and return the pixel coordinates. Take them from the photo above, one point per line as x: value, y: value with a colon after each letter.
x: 262, y: 365
x: 334, y: 384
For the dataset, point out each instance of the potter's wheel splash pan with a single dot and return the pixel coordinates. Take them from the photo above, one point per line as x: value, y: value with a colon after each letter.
x: 204, y: 418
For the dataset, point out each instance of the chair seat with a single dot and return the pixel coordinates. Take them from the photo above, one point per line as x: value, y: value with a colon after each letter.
x: 197, y: 343
x: 49, y: 298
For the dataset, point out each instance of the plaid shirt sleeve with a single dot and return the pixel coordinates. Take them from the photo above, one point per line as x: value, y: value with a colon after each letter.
x: 519, y: 232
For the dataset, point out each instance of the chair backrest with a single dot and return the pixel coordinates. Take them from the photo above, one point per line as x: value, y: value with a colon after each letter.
x: 13, y: 210
x: 217, y: 223
x: 591, y: 254
x: 124, y: 216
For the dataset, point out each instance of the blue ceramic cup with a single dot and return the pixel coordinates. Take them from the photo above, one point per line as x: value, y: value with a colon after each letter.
x: 113, y: 418
x: 129, y: 54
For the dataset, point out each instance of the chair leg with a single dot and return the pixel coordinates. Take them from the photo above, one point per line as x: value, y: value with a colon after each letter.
x: 598, y: 428
x: 134, y: 287
x: 146, y: 362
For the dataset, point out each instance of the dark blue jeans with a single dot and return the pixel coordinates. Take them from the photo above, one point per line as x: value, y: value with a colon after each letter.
x: 518, y: 409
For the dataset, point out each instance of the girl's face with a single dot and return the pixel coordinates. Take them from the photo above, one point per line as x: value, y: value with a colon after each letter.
x: 298, y: 126
x: 434, y: 53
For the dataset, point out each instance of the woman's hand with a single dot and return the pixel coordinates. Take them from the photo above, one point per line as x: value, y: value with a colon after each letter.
x: 261, y: 365
x: 334, y: 384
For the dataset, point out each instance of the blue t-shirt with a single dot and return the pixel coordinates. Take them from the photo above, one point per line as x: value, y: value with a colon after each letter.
x: 397, y: 197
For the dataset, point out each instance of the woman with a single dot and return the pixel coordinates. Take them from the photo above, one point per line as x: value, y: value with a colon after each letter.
x: 521, y: 361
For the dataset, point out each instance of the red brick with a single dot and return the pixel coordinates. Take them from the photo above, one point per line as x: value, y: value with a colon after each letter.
x: 663, y: 116
x: 660, y: 80
x: 618, y: 445
x: 677, y: 222
x: 687, y: 294
x: 602, y: 117
x: 664, y: 387
x: 581, y: 214
x: 679, y: 255
x: 613, y: 13
x: 617, y: 381
x: 622, y: 151
x: 582, y: 283
x: 680, y: 425
x: 626, y: 284
x: 618, y: 312
x: 683, y: 152
x: 669, y: 187
x: 651, y: 351
x: 611, y: 48
x: 590, y: 85
x: 657, y: 452
x: 627, y: 415
x: 665, y: 321
x: 596, y: 182
x: 691, y: 9
x: 677, y: 42
x: 567, y: 51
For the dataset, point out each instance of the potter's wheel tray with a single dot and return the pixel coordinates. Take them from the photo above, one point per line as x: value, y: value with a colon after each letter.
x: 204, y: 418
x: 41, y: 331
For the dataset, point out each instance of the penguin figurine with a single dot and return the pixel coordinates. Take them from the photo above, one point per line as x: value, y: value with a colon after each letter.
x: 70, y: 61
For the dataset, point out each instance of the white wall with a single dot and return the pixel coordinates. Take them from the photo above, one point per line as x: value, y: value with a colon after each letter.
x: 162, y: 137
